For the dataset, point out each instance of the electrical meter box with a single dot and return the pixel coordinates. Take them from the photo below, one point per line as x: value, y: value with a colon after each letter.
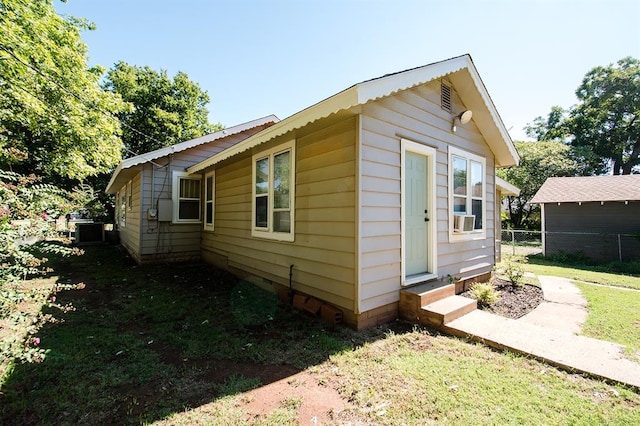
x: 165, y: 210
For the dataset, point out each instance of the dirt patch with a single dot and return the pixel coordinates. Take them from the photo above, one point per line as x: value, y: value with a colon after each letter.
x: 515, y: 302
x: 317, y: 403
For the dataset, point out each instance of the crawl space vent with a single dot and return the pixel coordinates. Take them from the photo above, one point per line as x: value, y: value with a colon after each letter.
x: 445, y: 96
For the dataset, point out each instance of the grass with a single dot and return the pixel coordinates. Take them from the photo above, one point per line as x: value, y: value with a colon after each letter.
x: 580, y: 272
x: 183, y: 345
x: 417, y: 378
x: 614, y: 315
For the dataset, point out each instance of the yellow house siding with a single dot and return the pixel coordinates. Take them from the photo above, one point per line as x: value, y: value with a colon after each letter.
x: 323, y: 252
x: 414, y: 114
x: 153, y: 240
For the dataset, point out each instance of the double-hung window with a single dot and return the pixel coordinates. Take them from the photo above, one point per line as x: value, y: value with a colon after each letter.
x: 186, y: 197
x: 209, y: 200
x: 273, y: 193
x: 467, y: 194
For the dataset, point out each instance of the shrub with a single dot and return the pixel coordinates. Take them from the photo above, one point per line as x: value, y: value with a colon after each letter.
x: 514, y: 271
x: 25, y: 233
x: 485, y: 293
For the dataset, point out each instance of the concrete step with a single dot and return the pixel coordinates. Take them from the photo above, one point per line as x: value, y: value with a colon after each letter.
x: 412, y: 299
x: 443, y: 311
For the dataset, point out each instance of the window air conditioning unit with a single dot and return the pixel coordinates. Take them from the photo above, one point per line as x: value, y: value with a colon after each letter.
x: 463, y: 222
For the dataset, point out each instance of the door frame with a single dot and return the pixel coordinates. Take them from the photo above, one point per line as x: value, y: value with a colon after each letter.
x: 432, y: 238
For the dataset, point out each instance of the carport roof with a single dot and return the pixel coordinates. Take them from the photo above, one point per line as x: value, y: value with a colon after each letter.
x: 589, y: 188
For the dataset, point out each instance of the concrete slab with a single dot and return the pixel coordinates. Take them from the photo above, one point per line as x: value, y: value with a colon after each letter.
x: 564, y: 306
x: 558, y: 316
x: 561, y: 290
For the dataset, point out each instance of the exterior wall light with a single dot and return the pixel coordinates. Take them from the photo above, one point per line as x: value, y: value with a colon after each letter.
x: 463, y: 118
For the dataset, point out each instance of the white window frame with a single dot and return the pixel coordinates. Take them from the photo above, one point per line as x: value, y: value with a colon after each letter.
x: 177, y: 177
x: 268, y: 232
x: 209, y: 226
x: 122, y: 207
x: 129, y: 196
x: 476, y: 234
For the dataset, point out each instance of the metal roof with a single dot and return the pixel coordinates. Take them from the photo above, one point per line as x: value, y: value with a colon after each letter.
x: 589, y: 188
x: 460, y: 70
x: 182, y: 146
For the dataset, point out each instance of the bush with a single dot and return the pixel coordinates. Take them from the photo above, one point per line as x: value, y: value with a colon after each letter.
x: 485, y: 293
x: 514, y: 271
x: 25, y: 233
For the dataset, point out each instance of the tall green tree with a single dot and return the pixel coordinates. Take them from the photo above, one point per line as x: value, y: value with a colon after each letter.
x: 550, y: 128
x: 55, y: 119
x: 603, y: 128
x: 607, y: 117
x: 538, y: 162
x: 165, y: 110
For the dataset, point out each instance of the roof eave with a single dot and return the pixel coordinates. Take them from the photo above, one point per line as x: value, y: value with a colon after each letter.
x: 507, y: 188
x: 491, y: 125
x: 487, y: 118
x: 112, y: 181
x: 340, y: 101
x: 182, y: 146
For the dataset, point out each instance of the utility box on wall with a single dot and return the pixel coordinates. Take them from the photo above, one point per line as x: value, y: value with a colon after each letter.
x: 165, y: 210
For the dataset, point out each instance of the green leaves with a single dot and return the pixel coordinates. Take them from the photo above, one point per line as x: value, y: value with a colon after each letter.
x: 538, y: 161
x: 162, y: 111
x: 52, y: 108
x: 607, y: 118
x: 604, y: 127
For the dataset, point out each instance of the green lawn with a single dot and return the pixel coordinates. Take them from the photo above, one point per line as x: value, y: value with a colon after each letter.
x: 540, y: 267
x: 183, y: 344
x: 614, y: 315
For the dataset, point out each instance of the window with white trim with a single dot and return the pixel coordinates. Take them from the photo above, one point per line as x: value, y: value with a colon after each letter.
x: 209, y: 200
x: 129, y: 196
x: 467, y: 193
x: 186, y: 197
x: 123, y: 206
x: 273, y: 193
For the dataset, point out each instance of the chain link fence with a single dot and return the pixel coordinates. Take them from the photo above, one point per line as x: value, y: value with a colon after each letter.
x: 598, y: 246
x: 520, y: 242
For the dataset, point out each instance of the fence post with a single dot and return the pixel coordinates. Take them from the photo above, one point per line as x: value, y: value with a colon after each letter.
x: 619, y: 249
x: 513, y: 242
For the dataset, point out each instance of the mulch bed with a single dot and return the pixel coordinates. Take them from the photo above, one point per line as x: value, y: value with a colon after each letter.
x: 514, y: 302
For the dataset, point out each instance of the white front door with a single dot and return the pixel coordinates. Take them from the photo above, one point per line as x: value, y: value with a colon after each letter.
x: 417, y: 186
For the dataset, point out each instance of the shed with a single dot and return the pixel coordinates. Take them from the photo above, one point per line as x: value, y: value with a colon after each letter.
x: 596, y: 216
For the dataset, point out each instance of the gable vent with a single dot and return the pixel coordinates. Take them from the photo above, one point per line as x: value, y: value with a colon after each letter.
x: 445, y: 96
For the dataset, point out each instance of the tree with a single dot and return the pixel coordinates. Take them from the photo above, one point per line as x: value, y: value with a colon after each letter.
x: 607, y: 117
x: 55, y: 118
x: 165, y: 111
x: 549, y: 129
x: 538, y: 161
x: 603, y: 128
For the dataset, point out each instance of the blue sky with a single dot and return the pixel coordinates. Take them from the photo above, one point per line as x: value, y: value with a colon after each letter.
x: 256, y: 58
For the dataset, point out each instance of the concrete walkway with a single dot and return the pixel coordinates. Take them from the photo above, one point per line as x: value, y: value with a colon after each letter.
x: 564, y: 307
x: 549, y: 333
